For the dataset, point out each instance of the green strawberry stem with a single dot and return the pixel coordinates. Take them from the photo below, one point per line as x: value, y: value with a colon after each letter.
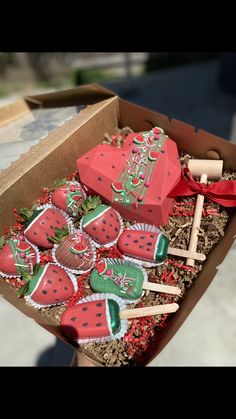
x: 90, y: 203
x: 57, y: 184
x: 2, y: 241
x: 23, y: 290
x: 60, y: 233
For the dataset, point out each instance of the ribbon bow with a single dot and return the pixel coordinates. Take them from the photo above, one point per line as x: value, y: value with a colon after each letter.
x: 223, y: 192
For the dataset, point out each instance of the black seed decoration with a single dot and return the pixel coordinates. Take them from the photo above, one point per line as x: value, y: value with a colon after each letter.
x: 99, y: 315
x: 102, y: 154
x: 94, y: 228
x: 99, y: 178
x: 116, y: 229
x: 99, y: 304
x: 159, y: 198
x: 65, y: 288
x: 135, y: 241
x: 152, y: 236
x: 54, y: 290
x: 97, y: 239
x: 141, y: 247
x: 104, y: 222
x: 110, y: 225
x: 150, y: 210
x: 111, y: 215
x: 142, y: 237
x: 44, y: 292
x: 85, y: 324
x: 58, y: 222
x: 123, y: 154
x: 35, y: 233
x: 43, y: 223
x: 49, y: 281
x: 73, y: 319
x: 117, y: 220
x: 126, y: 244
x: 52, y: 228
x: 99, y: 324
x: 47, y: 217
x: 113, y: 167
x: 59, y: 279
x: 84, y: 308
x: 107, y: 237
x: 103, y: 229
x: 148, y: 249
x: 149, y: 243
x: 55, y: 271
x: 87, y: 158
x: 162, y: 151
x: 128, y: 235
x: 57, y: 299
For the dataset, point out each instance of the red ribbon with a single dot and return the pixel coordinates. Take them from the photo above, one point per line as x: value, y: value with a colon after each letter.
x: 223, y: 192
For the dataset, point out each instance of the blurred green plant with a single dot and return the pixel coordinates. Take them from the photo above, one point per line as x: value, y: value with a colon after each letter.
x: 91, y: 75
x: 2, y: 91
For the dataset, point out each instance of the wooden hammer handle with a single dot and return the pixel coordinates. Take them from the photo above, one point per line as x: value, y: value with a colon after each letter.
x: 196, y: 222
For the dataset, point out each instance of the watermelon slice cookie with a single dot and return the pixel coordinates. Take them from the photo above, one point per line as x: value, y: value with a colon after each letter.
x: 69, y: 197
x: 75, y: 253
x: 50, y: 285
x: 42, y: 223
x: 101, y: 222
x: 17, y: 254
x: 144, y: 244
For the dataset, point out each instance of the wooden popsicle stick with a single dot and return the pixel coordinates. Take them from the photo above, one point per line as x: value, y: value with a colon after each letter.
x: 148, y: 311
x: 196, y: 222
x: 186, y: 254
x: 168, y: 289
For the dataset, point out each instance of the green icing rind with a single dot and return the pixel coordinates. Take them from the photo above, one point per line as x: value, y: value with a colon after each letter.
x: 35, y: 215
x: 97, y: 211
x: 114, y: 311
x: 162, y: 248
x: 105, y: 283
x: 34, y: 280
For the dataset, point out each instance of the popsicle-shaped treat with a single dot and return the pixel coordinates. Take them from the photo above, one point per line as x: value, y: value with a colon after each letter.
x: 125, y: 279
x: 103, y: 317
x: 146, y: 244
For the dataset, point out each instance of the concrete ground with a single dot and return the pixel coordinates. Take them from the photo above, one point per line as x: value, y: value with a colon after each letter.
x: 208, y: 337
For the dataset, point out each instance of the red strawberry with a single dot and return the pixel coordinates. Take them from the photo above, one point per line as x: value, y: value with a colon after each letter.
x: 76, y: 253
x: 42, y: 223
x: 69, y: 197
x: 101, y: 222
x: 17, y: 254
x: 51, y: 285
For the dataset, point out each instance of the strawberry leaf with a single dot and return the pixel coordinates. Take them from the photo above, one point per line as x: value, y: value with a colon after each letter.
x: 90, y: 203
x: 36, y: 268
x: 58, y: 183
x: 24, y: 274
x: 2, y: 241
x: 25, y: 213
x: 23, y: 290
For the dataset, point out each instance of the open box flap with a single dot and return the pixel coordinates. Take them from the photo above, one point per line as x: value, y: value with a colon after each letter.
x: 81, y: 95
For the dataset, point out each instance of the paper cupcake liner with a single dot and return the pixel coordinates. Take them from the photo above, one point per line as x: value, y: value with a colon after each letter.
x: 37, y: 260
x: 114, y: 241
x: 123, y: 323
x: 75, y: 271
x: 114, y: 261
x: 37, y: 306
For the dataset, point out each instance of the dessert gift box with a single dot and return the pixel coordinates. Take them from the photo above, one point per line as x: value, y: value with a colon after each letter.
x: 54, y: 157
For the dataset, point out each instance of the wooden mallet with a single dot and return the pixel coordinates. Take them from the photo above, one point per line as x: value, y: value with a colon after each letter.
x: 204, y: 169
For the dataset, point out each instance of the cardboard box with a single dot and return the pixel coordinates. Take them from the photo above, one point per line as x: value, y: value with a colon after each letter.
x: 55, y: 157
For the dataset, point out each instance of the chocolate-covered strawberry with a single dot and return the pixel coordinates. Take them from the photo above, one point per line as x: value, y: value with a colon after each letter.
x: 76, y: 252
x: 17, y: 254
x: 145, y: 243
x: 101, y: 222
x: 69, y: 197
x: 50, y: 285
x: 41, y: 224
